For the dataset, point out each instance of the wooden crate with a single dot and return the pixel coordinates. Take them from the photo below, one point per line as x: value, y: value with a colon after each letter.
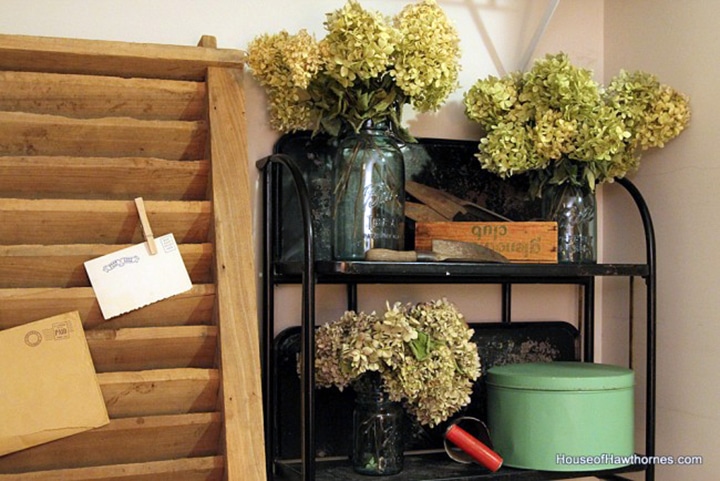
x: 85, y: 127
x: 518, y: 241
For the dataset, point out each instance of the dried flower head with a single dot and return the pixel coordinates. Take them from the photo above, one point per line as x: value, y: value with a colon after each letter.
x: 655, y: 112
x: 285, y: 64
x: 359, y: 44
x: 426, y: 64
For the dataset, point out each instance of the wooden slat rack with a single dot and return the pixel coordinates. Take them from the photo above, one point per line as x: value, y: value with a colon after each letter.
x: 85, y: 127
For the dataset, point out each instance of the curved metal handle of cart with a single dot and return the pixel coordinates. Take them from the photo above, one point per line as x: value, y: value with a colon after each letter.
x: 307, y: 375
x: 651, y: 335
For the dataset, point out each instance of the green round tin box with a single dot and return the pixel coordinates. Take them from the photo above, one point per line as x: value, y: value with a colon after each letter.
x: 561, y: 416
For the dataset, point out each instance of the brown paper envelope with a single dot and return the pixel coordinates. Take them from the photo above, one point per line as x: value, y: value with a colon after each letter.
x: 48, y: 385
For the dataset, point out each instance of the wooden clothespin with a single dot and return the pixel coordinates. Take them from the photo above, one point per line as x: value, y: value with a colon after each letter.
x: 147, y: 231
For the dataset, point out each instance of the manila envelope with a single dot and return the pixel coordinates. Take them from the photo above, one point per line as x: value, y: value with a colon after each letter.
x: 48, y: 385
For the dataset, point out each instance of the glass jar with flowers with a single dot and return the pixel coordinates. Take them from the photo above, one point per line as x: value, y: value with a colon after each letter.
x: 568, y: 134
x: 352, y: 84
x: 417, y: 357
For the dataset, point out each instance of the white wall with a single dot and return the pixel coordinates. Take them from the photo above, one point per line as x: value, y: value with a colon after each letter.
x: 678, y: 42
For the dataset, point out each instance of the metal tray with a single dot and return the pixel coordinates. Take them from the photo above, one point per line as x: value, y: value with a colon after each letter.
x: 498, y: 343
x: 449, y: 165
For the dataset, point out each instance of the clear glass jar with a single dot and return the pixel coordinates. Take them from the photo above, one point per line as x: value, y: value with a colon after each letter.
x: 574, y: 209
x: 369, y: 196
x: 377, y: 447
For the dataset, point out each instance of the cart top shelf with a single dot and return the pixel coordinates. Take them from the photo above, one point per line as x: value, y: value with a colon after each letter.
x: 454, y: 272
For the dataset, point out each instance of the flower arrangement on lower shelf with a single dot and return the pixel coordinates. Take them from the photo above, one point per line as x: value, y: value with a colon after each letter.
x: 423, y: 354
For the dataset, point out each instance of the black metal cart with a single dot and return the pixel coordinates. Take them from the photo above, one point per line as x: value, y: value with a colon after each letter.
x: 295, y: 252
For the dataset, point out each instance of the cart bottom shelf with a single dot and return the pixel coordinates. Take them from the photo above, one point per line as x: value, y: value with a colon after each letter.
x: 437, y: 467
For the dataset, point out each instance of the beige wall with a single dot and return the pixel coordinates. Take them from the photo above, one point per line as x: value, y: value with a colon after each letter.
x: 667, y: 37
x: 678, y: 41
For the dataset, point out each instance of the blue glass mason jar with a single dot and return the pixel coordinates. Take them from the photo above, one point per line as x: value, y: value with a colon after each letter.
x: 369, y: 195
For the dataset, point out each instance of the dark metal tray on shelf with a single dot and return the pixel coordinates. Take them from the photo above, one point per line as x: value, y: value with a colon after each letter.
x: 449, y: 165
x: 498, y: 343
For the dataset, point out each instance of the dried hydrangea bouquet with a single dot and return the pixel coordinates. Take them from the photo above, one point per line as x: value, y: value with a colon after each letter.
x: 366, y: 68
x: 420, y: 355
x: 353, y: 84
x: 568, y: 134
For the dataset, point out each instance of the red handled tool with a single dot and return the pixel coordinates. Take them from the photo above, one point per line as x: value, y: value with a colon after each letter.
x: 476, y: 449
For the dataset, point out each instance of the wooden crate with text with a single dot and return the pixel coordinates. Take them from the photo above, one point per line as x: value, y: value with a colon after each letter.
x: 518, y: 241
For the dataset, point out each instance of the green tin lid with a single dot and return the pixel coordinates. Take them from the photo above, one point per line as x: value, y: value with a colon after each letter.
x: 561, y: 376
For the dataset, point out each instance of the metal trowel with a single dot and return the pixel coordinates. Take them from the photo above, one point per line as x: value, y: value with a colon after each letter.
x: 442, y: 251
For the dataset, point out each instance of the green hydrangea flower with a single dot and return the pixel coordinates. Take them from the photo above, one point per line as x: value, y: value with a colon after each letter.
x: 655, y: 112
x: 492, y: 99
x: 285, y: 64
x: 426, y: 64
x: 359, y: 44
